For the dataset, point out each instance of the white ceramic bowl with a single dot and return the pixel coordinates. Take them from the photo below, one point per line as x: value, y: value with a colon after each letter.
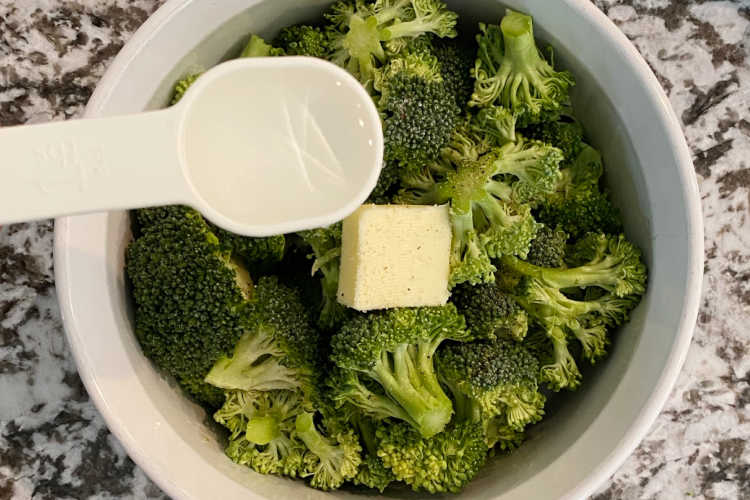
x: 583, y: 440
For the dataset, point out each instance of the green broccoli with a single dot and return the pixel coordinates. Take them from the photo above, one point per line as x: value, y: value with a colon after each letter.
x: 326, y: 247
x: 577, y: 205
x: 609, y: 262
x: 303, y: 40
x: 189, y: 304
x: 257, y: 47
x: 372, y: 471
x: 359, y: 30
x: 489, y: 311
x: 279, y: 347
x: 392, y: 350
x: 565, y: 133
x: 331, y: 460
x: 443, y: 463
x: 456, y: 57
x: 251, y: 251
x: 495, y: 122
x: 493, y: 384
x: 488, y: 190
x: 418, y: 111
x: 262, y: 430
x: 511, y: 72
x: 182, y: 85
x: 548, y: 248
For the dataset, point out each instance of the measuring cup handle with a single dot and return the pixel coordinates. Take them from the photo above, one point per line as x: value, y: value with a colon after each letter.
x: 89, y: 165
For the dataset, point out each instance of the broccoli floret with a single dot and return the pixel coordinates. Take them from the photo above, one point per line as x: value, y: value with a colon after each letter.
x: 372, y: 472
x: 488, y: 190
x: 262, y: 427
x: 182, y: 85
x: 577, y: 206
x: 329, y: 460
x: 495, y: 122
x: 393, y: 350
x: 303, y: 40
x: 609, y: 262
x: 565, y: 133
x: 418, y: 111
x: 492, y: 380
x: 511, y: 72
x: 251, y: 251
x: 360, y: 30
x: 456, y: 57
x: 188, y: 300
x: 444, y: 463
x: 326, y: 247
x: 257, y: 47
x: 559, y: 316
x: 387, y: 186
x: 548, y: 248
x: 489, y: 311
x: 279, y: 347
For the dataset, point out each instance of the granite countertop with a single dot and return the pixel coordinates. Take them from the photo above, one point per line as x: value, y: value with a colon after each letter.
x: 54, y: 444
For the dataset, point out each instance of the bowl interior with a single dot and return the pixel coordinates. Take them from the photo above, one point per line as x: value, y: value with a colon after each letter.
x: 585, y: 434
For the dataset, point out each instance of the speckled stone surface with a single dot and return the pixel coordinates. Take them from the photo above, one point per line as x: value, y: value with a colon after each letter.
x: 54, y: 444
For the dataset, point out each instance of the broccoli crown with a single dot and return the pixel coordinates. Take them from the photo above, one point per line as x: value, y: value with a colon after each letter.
x: 182, y: 85
x: 326, y: 250
x: 493, y: 380
x: 329, y: 460
x: 565, y: 133
x: 511, y: 72
x: 188, y: 303
x: 456, y: 57
x: 250, y: 250
x: 388, y: 182
x: 303, y: 40
x: 609, y: 262
x: 419, y: 112
x: 257, y: 47
x: 386, y: 358
x: 262, y: 430
x: 359, y: 30
x: 279, y: 347
x: 444, y: 463
x: 372, y: 472
x: 488, y: 190
x: 577, y: 206
x: 548, y: 248
x: 495, y: 122
x: 489, y: 311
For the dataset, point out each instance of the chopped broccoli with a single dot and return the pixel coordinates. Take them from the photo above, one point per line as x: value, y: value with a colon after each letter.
x: 331, y: 460
x: 577, y: 205
x: 495, y: 122
x: 372, y: 472
x: 262, y: 427
x: 326, y: 246
x: 394, y: 349
x: 565, y: 133
x: 488, y: 190
x: 511, y: 72
x: 489, y: 311
x: 443, y: 463
x: 257, y: 47
x: 188, y: 301
x: 609, y: 262
x: 456, y: 57
x: 251, y: 251
x: 493, y: 384
x: 548, y: 248
x: 303, y: 40
x: 419, y: 113
x: 279, y: 347
x: 182, y: 85
x: 359, y: 30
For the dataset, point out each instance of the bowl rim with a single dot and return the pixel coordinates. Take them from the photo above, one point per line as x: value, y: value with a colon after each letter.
x: 691, y: 301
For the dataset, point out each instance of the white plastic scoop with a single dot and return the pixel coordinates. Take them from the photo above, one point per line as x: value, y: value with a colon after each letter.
x: 260, y: 146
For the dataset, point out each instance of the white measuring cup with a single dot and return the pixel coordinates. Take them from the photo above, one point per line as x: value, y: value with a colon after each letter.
x: 259, y: 146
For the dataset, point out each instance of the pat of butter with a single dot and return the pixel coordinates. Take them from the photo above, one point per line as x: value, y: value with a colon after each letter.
x: 395, y: 256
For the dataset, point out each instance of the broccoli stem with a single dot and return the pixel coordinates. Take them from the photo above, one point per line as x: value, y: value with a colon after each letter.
x: 262, y: 429
x: 314, y: 441
x: 603, y: 273
x: 522, y: 54
x: 415, y: 387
